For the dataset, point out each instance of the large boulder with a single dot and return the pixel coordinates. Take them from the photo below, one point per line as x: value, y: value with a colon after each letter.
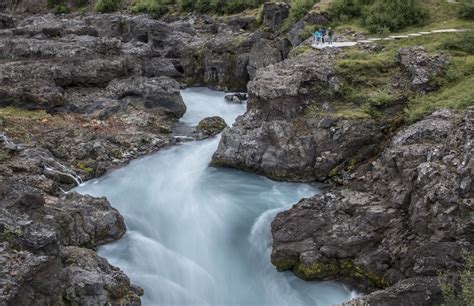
x: 211, y: 126
x: 398, y: 224
x: 276, y: 138
x: 161, y: 93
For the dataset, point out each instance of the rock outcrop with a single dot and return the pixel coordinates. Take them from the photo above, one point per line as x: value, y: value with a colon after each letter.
x: 274, y: 14
x: 209, y: 127
x: 278, y: 138
x: 42, y: 240
x: 419, y: 67
x: 398, y: 222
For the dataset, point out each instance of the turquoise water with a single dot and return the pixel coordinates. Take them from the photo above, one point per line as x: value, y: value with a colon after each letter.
x: 199, y: 235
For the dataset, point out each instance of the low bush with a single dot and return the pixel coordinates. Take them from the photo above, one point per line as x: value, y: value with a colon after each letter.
x: 462, y: 42
x: 161, y: 7
x: 299, y: 8
x: 393, y: 15
x: 380, y: 16
x: 107, y: 6
x: 466, y: 9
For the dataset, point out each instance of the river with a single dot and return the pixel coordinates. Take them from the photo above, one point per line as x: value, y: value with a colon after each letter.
x: 199, y: 235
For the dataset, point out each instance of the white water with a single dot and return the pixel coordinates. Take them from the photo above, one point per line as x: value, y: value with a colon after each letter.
x: 199, y: 235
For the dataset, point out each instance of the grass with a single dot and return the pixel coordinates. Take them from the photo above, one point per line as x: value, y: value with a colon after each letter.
x: 367, y: 79
x: 442, y: 15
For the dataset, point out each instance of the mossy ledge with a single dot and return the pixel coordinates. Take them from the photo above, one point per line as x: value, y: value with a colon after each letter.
x: 341, y: 269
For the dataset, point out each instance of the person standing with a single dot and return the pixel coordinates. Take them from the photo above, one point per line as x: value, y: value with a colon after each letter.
x: 323, y: 34
x: 330, y: 36
x: 317, y: 37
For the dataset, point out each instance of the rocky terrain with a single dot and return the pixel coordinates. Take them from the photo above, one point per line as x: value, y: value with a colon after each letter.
x: 398, y: 214
x: 80, y: 94
x: 402, y: 219
x: 292, y: 129
x: 83, y: 93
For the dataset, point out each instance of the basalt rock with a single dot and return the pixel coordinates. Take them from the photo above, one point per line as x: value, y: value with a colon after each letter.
x: 397, y: 224
x: 276, y: 138
x: 274, y: 14
x: 161, y: 94
x: 42, y: 260
x: 211, y: 126
x: 238, y: 98
x: 420, y: 67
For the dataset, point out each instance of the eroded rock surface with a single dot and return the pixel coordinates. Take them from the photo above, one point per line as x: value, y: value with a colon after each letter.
x: 277, y: 139
x: 398, y: 223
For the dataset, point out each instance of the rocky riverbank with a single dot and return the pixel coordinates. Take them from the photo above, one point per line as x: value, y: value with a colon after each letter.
x: 80, y: 94
x: 398, y: 212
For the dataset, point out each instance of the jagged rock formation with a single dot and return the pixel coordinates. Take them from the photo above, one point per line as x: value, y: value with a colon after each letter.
x: 292, y: 129
x: 277, y: 139
x: 399, y: 222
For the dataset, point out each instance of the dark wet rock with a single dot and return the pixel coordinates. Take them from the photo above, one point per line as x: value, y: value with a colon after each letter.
x: 87, y: 221
x: 32, y: 94
x: 420, y: 67
x: 211, y: 126
x: 397, y: 224
x: 274, y: 14
x: 160, y: 93
x: 412, y: 291
x: 155, y: 67
x: 275, y: 138
x: 6, y: 21
x: 266, y: 52
x: 238, y: 98
x: 91, y: 280
x: 31, y: 200
x: 243, y: 22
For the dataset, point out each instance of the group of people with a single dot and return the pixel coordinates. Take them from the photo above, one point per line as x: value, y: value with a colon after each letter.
x: 324, y: 35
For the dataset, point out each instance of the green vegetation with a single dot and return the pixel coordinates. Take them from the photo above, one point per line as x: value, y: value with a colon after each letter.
x: 107, y: 6
x: 459, y: 291
x: 466, y: 9
x: 328, y: 269
x: 368, y: 88
x: 299, y: 8
x: 380, y: 16
x: 158, y: 8
x: 461, y: 42
x: 60, y: 9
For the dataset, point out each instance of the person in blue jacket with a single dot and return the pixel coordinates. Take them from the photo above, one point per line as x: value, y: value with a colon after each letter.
x: 318, y: 37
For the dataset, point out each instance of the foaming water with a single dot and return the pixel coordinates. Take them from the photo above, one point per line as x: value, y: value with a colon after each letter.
x: 199, y: 235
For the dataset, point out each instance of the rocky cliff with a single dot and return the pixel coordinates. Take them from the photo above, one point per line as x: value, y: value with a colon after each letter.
x: 278, y: 138
x: 402, y: 220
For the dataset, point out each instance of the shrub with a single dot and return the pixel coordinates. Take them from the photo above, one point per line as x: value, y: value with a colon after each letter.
x: 299, y: 8
x: 155, y: 8
x: 463, y: 42
x: 158, y: 8
x: 459, y: 291
x: 106, y: 6
x: 60, y: 9
x: 394, y: 15
x: 466, y: 9
x: 380, y: 15
x: 346, y: 9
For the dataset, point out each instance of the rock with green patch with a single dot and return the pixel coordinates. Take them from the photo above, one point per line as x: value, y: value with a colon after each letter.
x: 211, y: 126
